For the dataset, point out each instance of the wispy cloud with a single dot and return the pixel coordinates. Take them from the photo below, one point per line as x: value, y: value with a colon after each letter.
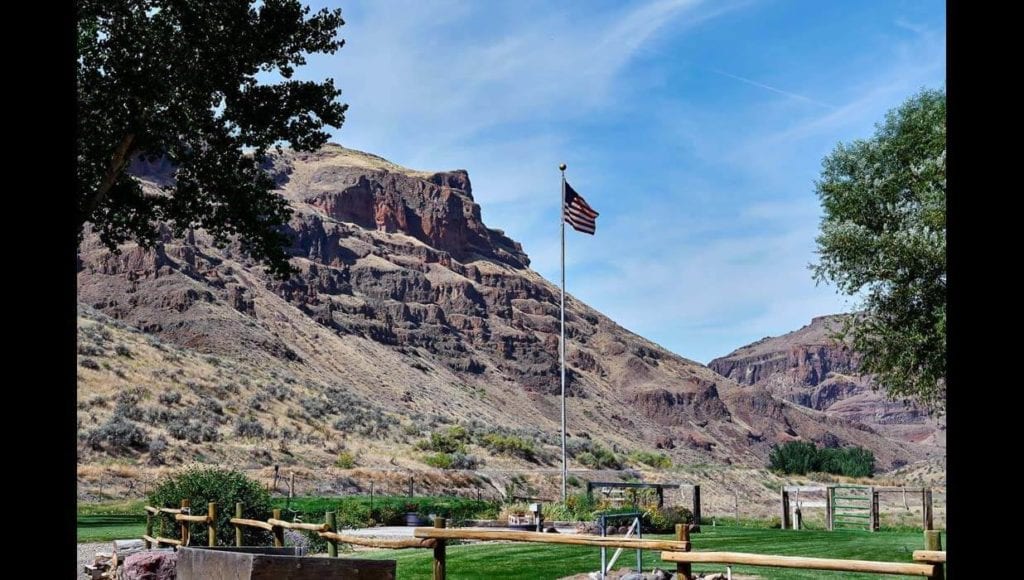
x: 708, y: 212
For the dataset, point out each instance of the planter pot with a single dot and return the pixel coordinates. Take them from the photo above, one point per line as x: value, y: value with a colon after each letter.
x: 413, y: 519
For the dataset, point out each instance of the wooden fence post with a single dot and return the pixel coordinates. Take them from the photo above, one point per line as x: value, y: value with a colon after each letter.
x: 926, y: 509
x: 875, y: 517
x: 829, y: 492
x: 149, y: 528
x: 238, y: 528
x: 684, y: 570
x: 933, y: 541
x: 331, y: 519
x: 185, y: 505
x: 278, y: 531
x: 439, y: 555
x: 785, y: 509
x: 211, y: 524
x: 696, y: 508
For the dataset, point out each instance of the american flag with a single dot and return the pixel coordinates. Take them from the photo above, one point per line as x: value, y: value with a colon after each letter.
x: 578, y: 213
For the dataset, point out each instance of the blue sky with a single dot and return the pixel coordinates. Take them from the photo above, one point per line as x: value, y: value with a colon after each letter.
x: 696, y: 128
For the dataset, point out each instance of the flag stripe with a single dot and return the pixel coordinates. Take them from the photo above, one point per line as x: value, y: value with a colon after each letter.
x: 579, y: 215
x: 577, y: 212
x: 582, y: 205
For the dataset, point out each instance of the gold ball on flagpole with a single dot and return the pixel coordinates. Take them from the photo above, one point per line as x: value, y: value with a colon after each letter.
x: 562, y: 166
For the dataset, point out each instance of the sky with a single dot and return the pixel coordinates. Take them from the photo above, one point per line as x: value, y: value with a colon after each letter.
x: 695, y: 127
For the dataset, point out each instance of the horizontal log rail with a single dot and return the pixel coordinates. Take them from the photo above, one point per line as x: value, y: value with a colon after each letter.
x: 251, y: 523
x: 154, y: 510
x: 159, y: 540
x: 298, y: 525
x: 544, y: 538
x: 935, y: 556
x: 396, y: 544
x: 203, y: 519
x: 926, y: 570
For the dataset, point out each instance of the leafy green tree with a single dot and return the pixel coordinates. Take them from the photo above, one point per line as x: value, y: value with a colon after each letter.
x: 883, y: 238
x: 188, y: 82
x: 794, y: 457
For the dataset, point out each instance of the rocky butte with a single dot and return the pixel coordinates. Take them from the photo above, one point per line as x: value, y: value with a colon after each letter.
x: 408, y: 315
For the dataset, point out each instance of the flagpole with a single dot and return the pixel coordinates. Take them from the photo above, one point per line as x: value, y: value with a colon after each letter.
x: 561, y: 343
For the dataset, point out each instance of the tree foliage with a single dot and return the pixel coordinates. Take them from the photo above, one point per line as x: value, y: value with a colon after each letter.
x: 883, y: 238
x: 185, y: 82
x: 201, y: 485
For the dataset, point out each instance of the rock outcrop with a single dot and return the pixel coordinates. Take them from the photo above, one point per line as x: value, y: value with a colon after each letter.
x: 405, y: 301
x: 811, y: 368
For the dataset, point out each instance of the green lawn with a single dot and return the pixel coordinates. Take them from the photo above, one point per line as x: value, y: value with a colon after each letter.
x: 540, y: 561
x: 104, y: 528
x: 112, y: 520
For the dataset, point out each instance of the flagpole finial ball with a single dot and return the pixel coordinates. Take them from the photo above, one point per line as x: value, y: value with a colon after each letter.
x: 562, y: 166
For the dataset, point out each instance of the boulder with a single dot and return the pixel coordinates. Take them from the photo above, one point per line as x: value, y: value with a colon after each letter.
x: 150, y: 565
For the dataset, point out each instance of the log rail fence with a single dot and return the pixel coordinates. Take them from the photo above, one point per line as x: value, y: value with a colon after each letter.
x: 927, y: 563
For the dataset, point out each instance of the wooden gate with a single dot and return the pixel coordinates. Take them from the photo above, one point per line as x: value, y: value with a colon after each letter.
x: 853, y: 507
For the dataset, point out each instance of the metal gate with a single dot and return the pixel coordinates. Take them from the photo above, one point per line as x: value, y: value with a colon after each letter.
x: 853, y: 507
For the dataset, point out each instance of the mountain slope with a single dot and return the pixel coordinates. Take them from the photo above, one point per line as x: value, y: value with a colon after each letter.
x: 406, y: 314
x: 810, y: 368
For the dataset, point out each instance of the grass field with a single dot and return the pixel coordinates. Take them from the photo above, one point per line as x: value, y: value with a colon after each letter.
x: 543, y: 562
x: 103, y: 522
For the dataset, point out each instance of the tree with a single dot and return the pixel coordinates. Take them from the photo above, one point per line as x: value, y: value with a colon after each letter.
x: 180, y: 80
x: 883, y: 237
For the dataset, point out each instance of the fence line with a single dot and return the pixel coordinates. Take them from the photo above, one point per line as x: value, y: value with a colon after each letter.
x: 927, y: 563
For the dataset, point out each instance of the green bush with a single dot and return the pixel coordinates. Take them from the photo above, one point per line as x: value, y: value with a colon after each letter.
x: 509, y: 445
x: 451, y: 440
x: 599, y: 458
x: 440, y: 460
x: 345, y: 460
x: 658, y: 460
x: 801, y: 457
x: 202, y: 485
x: 664, y: 520
x: 576, y: 508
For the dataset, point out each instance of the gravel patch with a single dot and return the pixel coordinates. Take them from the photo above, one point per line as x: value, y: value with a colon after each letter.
x: 87, y: 551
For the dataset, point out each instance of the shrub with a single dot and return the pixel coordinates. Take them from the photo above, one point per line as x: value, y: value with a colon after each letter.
x: 249, y: 427
x: 576, y: 508
x: 169, y: 398
x: 89, y: 350
x: 202, y: 485
x: 123, y: 350
x: 118, y: 434
x: 664, y: 520
x: 157, y: 447
x: 658, y: 460
x: 599, y: 458
x: 192, y: 430
x: 451, y: 440
x: 345, y: 460
x: 89, y: 364
x: 509, y: 445
x: 127, y: 404
x: 440, y: 460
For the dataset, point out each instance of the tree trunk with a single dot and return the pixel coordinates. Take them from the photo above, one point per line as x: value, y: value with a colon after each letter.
x: 117, y: 163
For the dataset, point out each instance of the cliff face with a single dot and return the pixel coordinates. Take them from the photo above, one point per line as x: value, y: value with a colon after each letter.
x: 407, y: 303
x: 808, y: 367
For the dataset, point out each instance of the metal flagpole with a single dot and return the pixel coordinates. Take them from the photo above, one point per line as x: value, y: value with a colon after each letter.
x: 561, y: 343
